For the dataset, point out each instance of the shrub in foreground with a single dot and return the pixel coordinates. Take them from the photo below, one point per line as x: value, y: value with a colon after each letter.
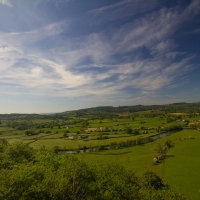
x: 44, y: 175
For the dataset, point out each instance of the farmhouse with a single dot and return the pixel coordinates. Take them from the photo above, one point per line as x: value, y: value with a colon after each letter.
x: 82, y: 137
x: 72, y: 137
x: 68, y: 126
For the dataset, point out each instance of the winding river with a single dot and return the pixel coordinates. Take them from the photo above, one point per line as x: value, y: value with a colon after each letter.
x: 154, y: 137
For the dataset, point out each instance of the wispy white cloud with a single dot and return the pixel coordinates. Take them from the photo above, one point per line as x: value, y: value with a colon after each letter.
x: 192, y: 9
x: 6, y: 3
x: 69, y: 67
x: 30, y: 37
x: 121, y: 9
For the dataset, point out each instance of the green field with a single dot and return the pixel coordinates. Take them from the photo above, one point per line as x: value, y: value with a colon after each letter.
x: 49, y: 141
x: 182, y: 170
x: 179, y: 168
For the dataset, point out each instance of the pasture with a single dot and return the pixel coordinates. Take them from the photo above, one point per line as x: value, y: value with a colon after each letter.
x: 50, y: 133
x: 179, y: 169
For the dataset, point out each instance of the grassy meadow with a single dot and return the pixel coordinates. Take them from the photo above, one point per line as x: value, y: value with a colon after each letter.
x: 182, y: 170
x: 113, y: 129
x: 179, y: 168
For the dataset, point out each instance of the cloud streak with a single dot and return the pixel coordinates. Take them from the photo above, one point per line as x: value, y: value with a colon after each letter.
x: 140, y: 55
x: 6, y: 3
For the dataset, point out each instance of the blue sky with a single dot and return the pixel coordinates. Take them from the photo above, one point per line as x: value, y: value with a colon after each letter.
x: 58, y: 55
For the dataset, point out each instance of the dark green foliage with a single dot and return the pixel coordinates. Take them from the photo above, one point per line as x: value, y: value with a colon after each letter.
x: 3, y: 141
x: 176, y: 127
x: 128, y: 130
x: 113, y: 112
x: 85, y: 124
x: 66, y: 133
x: 170, y: 119
x: 99, y: 113
x: 136, y: 132
x: 30, y: 133
x: 151, y: 180
x: 169, y: 143
x: 48, y: 132
x: 49, y: 176
x: 11, y: 155
x: 161, y: 149
x: 113, y: 182
x: 29, y: 174
x: 138, y: 141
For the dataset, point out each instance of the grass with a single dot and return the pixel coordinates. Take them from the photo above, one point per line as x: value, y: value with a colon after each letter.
x: 50, y: 141
x: 179, y: 169
x: 182, y: 170
x: 134, y: 158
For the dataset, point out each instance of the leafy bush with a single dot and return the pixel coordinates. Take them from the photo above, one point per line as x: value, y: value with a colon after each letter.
x: 44, y: 175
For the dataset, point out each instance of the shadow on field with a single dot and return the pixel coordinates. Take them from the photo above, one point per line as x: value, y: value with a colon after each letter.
x: 169, y: 156
x: 32, y: 141
x: 112, y: 154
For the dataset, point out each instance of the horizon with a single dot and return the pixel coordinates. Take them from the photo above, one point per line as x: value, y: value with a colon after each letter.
x: 64, y: 55
x: 51, y: 113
